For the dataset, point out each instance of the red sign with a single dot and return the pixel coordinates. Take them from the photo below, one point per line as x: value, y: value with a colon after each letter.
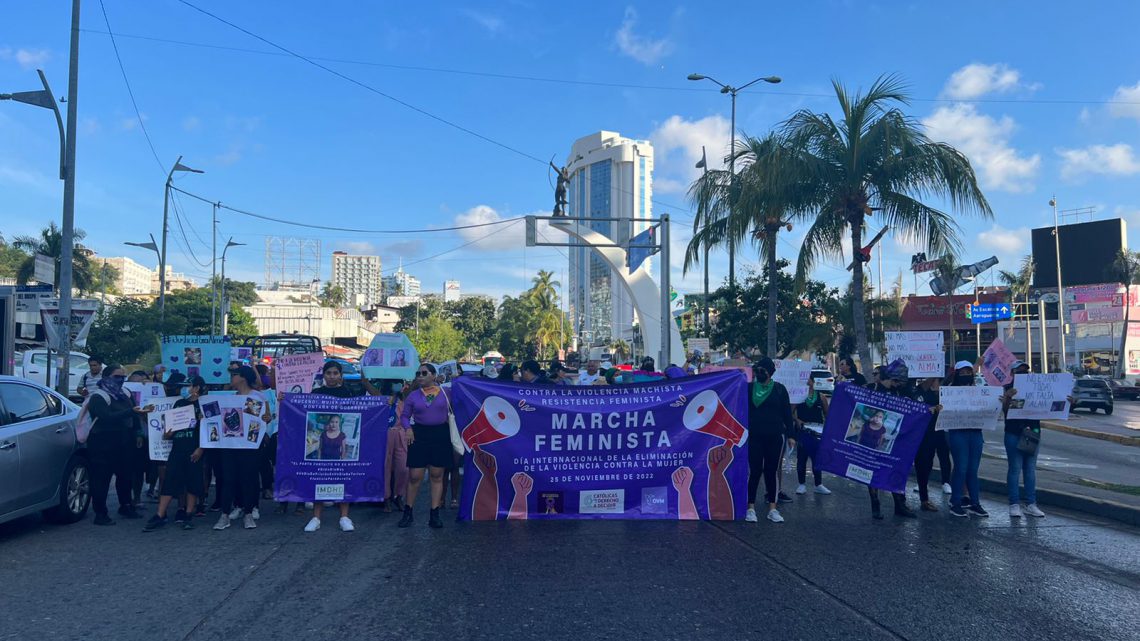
x: 927, y: 266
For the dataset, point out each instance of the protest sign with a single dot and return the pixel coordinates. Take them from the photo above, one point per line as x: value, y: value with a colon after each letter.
x: 1041, y: 396
x: 205, y: 356
x: 872, y: 437
x: 332, y: 449
x: 232, y: 422
x: 975, y: 407
x: 295, y: 373
x: 142, y: 392
x: 794, y: 375
x: 921, y: 351
x: 699, y: 346
x: 158, y: 447
x: 664, y: 450
x: 390, y: 355
x: 744, y: 369
x: 241, y: 354
x: 997, y: 364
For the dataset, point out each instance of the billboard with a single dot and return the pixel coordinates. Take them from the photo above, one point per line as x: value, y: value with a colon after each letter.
x: 1087, y: 252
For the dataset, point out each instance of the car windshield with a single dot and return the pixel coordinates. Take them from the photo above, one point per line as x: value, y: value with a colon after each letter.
x: 820, y: 373
x: 1089, y: 383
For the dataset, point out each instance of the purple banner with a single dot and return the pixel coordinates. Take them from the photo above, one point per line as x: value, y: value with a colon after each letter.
x: 670, y: 450
x: 871, y: 437
x: 331, y: 449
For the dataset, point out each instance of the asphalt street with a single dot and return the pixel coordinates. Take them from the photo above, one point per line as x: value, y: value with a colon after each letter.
x: 829, y: 572
x: 1125, y: 418
x: 1079, y: 456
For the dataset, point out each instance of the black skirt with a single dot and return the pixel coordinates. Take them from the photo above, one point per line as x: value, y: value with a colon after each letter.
x: 431, y: 447
x: 183, y: 476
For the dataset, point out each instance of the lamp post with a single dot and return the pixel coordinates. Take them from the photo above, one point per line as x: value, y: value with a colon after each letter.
x: 732, y: 91
x: 225, y: 306
x: 178, y: 166
x: 152, y: 245
x: 214, y: 272
x: 1060, y: 286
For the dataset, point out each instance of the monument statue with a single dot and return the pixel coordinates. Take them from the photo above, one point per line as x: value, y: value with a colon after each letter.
x: 560, y: 201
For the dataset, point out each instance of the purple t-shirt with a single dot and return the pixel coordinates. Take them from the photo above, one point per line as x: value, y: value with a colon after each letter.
x: 417, y: 407
x: 331, y: 447
x: 872, y: 438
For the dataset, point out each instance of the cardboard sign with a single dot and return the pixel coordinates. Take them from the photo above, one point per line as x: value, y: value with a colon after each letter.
x: 158, y: 446
x: 205, y: 356
x: 970, y: 408
x: 295, y: 373
x: 997, y: 364
x: 232, y: 422
x: 794, y: 375
x: 1041, y: 396
x: 921, y: 351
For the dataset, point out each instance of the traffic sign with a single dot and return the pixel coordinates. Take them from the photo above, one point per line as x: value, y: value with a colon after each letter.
x: 989, y: 312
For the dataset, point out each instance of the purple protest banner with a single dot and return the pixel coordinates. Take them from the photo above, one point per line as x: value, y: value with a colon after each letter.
x: 331, y: 449
x: 669, y: 450
x: 872, y: 437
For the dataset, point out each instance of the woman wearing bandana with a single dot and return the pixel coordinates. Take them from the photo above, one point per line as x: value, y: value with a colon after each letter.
x: 893, y: 380
x: 424, y: 418
x: 770, y: 428
x: 116, y: 425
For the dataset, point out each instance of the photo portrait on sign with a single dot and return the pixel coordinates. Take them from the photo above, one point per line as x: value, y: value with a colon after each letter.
x: 192, y: 356
x: 231, y: 422
x: 211, y: 409
x: 399, y: 358
x: 332, y: 437
x: 373, y: 357
x: 873, y: 427
x: 254, y: 407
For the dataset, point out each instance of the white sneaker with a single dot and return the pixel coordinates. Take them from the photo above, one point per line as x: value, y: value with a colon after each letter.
x: 308, y: 505
x: 945, y: 488
x: 346, y: 524
x: 1015, y: 511
x: 801, y: 489
x: 774, y: 516
x: 256, y: 513
x: 1033, y: 510
x: 313, y: 525
x: 248, y: 522
x: 223, y: 522
x: 235, y: 514
x: 750, y: 515
x: 820, y: 489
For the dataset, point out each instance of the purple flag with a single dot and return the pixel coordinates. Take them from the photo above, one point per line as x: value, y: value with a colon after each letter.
x: 872, y: 437
x: 331, y: 449
x: 668, y: 450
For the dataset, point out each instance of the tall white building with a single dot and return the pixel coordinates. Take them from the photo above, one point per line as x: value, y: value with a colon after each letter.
x: 451, y: 291
x: 610, y: 177
x: 358, y: 276
x: 133, y: 279
x: 401, y: 283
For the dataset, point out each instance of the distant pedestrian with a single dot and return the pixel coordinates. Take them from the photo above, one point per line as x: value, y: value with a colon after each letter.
x: 531, y: 373
x: 809, y: 416
x: 90, y: 378
x: 116, y: 424
x: 966, y: 450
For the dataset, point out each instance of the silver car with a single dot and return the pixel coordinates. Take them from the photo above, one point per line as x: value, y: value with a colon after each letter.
x: 42, y: 466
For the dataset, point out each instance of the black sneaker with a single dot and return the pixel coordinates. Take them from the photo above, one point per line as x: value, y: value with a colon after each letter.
x: 180, y: 516
x: 407, y: 519
x: 398, y: 503
x: 904, y: 511
x: 129, y: 513
x: 433, y: 519
x: 103, y: 519
x: 188, y: 525
x: 154, y: 523
x: 956, y: 510
x: 200, y: 511
x: 977, y: 510
x: 783, y: 498
x: 216, y: 507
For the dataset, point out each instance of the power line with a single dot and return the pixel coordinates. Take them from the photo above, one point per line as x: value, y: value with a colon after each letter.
x: 185, y: 239
x: 130, y: 92
x: 453, y: 249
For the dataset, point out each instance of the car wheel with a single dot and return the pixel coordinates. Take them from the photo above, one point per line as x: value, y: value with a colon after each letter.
x: 74, y: 494
x: 1108, y: 410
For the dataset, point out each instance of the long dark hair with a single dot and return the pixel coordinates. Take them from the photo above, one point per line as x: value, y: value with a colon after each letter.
x: 850, y: 364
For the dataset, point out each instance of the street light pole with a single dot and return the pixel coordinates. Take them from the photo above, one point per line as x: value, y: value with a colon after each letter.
x: 704, y: 164
x: 1060, y: 286
x: 67, y: 251
x: 225, y: 306
x: 666, y: 311
x: 214, y: 272
x: 178, y: 166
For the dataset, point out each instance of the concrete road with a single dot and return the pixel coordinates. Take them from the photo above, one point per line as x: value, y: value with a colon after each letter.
x: 829, y: 572
x: 1125, y: 419
x: 1079, y: 456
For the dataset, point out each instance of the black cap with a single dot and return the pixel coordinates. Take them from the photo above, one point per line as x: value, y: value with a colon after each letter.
x: 195, y: 381
x: 177, y: 378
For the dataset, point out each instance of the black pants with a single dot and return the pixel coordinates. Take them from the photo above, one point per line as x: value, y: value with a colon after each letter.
x: 900, y: 499
x: 140, y: 459
x: 267, y: 460
x: 932, y: 443
x: 109, y: 454
x: 213, y: 469
x: 765, y: 451
x: 239, y: 480
x: 802, y: 459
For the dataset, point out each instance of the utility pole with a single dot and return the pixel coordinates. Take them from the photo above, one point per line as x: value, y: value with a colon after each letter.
x: 214, y: 272
x: 67, y: 251
x: 666, y: 311
x: 1060, y: 286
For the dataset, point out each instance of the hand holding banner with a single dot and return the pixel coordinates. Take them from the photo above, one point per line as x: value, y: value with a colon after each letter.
x: 970, y: 408
x: 1041, y: 396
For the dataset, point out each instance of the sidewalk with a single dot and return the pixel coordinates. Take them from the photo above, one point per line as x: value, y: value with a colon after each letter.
x: 1080, y: 426
x: 1061, y: 489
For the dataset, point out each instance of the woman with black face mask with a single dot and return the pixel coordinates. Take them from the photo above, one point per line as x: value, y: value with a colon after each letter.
x: 116, y: 424
x: 891, y: 379
x: 770, y: 429
x: 966, y: 450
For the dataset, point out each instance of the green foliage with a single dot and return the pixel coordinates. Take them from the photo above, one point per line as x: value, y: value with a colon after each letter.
x: 332, y: 296
x: 437, y: 340
x: 475, y: 318
x: 126, y: 332
x: 10, y: 259
x: 50, y: 243
x: 240, y: 293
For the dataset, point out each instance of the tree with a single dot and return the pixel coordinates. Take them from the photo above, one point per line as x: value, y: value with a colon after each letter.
x: 412, y: 315
x: 1019, y: 284
x: 886, y: 311
x: 105, y: 278
x: 438, y: 340
x: 240, y: 293
x: 512, y: 325
x: 50, y: 243
x: 126, y: 332
x: 331, y: 296
x: 543, y: 290
x: 1127, y: 267
x: 835, y: 174
x: 475, y: 318
x: 10, y: 259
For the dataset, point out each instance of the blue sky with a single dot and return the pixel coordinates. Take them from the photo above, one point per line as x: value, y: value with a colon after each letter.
x: 1042, y: 101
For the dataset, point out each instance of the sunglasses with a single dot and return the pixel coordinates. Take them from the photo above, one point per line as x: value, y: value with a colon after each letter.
x: 424, y: 373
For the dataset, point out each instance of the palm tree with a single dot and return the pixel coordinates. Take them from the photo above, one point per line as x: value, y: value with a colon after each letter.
x: 50, y: 243
x: 947, y: 273
x: 543, y: 290
x: 1019, y: 284
x: 1127, y: 267
x: 874, y: 158
x: 757, y: 213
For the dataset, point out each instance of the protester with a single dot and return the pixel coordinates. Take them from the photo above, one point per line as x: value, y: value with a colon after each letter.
x: 849, y: 372
x: 966, y: 450
x: 115, y: 426
x: 157, y: 373
x: 770, y: 426
x: 509, y: 373
x: 139, y: 376
x: 531, y: 373
x: 891, y: 379
x: 933, y: 441
x: 812, y: 411
x: 183, y: 478
x: 429, y: 439
x: 1022, y: 464
x: 91, y: 377
x: 396, y: 454
x: 240, y: 489
x: 648, y: 364
x: 591, y: 374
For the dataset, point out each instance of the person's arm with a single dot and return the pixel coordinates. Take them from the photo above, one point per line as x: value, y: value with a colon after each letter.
x: 824, y: 405
x: 789, y: 422
x: 100, y: 409
x: 343, y: 447
x: 406, y: 413
x: 369, y: 387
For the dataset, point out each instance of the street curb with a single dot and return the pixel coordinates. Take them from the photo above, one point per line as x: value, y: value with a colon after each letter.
x: 1131, y: 441
x: 1098, y: 507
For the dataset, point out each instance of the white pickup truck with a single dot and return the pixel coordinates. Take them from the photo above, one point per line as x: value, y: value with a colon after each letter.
x: 32, y: 365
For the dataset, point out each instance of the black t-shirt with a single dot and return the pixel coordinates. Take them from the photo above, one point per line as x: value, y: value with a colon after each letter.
x: 340, y: 391
x: 858, y: 379
x: 1016, y: 426
x: 189, y: 434
x: 811, y: 412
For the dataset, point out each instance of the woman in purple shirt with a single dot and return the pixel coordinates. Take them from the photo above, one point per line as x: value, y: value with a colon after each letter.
x: 424, y: 419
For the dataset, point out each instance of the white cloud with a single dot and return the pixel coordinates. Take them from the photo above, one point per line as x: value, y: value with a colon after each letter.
x: 1108, y: 160
x: 1004, y: 241
x: 26, y: 58
x: 191, y: 123
x: 493, y: 24
x: 500, y: 237
x: 976, y: 80
x: 645, y: 50
x: 985, y: 141
x: 677, y: 148
x: 357, y: 248
x: 1130, y: 214
x: 1125, y: 103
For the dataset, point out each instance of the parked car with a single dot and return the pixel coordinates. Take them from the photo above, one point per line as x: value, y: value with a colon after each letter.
x: 43, y: 468
x: 1124, y: 389
x: 32, y: 365
x: 824, y: 380
x: 1093, y: 394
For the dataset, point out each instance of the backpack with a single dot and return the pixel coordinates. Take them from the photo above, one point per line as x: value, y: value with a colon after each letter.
x: 86, y: 422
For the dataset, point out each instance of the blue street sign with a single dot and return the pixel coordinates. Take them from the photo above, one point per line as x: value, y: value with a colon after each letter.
x: 989, y: 312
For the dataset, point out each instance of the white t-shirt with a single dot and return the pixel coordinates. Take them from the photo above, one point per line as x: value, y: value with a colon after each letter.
x: 586, y: 378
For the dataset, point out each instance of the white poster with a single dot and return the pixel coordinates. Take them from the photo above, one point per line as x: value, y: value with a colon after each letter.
x: 156, y: 426
x: 921, y: 351
x: 1041, y: 396
x: 970, y: 408
x: 794, y: 375
x: 232, y: 422
x: 82, y: 317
